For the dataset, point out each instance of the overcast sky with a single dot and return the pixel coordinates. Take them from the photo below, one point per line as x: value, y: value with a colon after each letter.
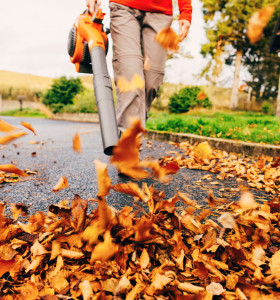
x: 34, y: 36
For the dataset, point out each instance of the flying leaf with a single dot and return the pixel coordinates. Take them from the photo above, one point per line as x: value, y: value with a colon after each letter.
x: 77, y: 143
x: 8, y: 168
x: 201, y: 96
x: 28, y: 126
x: 6, y: 127
x: 131, y: 188
x: 125, y: 86
x: 258, y: 22
x: 6, y: 139
x: 61, y: 184
x: 168, y: 39
x: 103, y: 179
x: 78, y: 210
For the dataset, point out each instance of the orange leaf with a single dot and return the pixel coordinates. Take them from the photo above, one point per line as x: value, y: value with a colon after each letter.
x: 103, y: 179
x: 79, y: 208
x: 19, y: 209
x: 77, y: 143
x: 105, y: 250
x: 12, y: 169
x: 6, y: 265
x: 28, y: 291
x: 125, y: 86
x: 131, y: 188
x: 202, y: 151
x: 6, y: 139
x: 86, y: 289
x: 258, y: 22
x: 168, y: 39
x: 6, y: 127
x: 201, y: 96
x: 61, y: 184
x: 28, y: 126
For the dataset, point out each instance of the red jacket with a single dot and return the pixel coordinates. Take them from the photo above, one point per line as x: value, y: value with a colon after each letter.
x: 161, y: 6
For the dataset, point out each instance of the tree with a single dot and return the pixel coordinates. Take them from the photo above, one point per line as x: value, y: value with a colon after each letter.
x: 62, y: 92
x: 226, y: 24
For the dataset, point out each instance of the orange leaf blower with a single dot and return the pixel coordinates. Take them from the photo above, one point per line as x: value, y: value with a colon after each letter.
x: 87, y: 47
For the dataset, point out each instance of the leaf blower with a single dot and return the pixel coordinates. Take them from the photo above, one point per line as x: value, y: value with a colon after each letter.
x: 87, y: 47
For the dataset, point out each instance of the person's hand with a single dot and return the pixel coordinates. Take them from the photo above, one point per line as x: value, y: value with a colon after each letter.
x: 91, y: 5
x: 184, y: 26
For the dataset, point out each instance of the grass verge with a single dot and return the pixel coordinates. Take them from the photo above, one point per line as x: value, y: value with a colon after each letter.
x: 25, y: 112
x: 248, y: 127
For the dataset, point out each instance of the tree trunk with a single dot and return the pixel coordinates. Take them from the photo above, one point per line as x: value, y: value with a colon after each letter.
x: 234, y: 91
x: 278, y: 99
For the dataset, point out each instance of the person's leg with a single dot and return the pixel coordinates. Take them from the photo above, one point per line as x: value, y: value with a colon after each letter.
x: 155, y: 53
x: 127, y: 61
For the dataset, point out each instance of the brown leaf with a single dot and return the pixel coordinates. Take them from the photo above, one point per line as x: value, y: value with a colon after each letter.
x: 103, y: 179
x: 28, y: 126
x: 86, y: 289
x: 258, y: 22
x: 190, y: 288
x: 79, y: 210
x: 6, y: 139
x: 72, y: 254
x: 61, y: 184
x: 105, y: 250
x: 211, y: 199
x: 7, y: 252
x: 202, y: 151
x: 168, y: 39
x: 144, y: 259
x: 126, y: 153
x: 77, y: 143
x: 6, y: 266
x: 28, y: 291
x: 8, y: 168
x: 131, y: 188
x: 19, y: 209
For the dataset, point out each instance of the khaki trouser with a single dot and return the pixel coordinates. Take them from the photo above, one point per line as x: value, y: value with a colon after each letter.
x: 133, y: 32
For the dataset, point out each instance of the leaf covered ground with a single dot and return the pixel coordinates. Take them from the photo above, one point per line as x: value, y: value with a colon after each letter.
x: 160, y: 249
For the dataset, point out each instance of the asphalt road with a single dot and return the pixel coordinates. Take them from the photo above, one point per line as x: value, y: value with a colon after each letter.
x: 54, y: 157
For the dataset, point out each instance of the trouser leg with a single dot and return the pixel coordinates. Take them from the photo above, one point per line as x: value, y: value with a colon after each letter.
x: 155, y: 53
x: 127, y: 61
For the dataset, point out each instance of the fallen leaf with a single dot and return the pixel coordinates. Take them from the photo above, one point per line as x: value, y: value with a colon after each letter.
x: 215, y: 288
x: 61, y: 184
x: 144, y: 259
x: 12, y: 169
x: 86, y: 289
x: 202, y: 151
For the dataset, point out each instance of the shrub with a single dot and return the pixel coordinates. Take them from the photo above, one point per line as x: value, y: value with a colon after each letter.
x: 267, y: 108
x: 188, y: 98
x: 62, y: 92
x: 83, y: 103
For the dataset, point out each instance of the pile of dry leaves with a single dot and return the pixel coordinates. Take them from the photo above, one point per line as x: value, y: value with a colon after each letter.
x: 262, y: 173
x: 161, y: 252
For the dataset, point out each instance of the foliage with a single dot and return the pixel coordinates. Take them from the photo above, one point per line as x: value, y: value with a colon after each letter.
x: 11, y: 93
x: 83, y: 103
x: 226, y: 28
x: 26, y: 112
x: 188, y: 98
x: 251, y: 127
x: 267, y: 108
x: 62, y: 92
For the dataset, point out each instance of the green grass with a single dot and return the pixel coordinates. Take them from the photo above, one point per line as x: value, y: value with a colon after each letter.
x: 243, y: 126
x: 26, y: 112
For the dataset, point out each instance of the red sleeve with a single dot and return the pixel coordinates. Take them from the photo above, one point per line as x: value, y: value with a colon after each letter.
x: 185, y: 8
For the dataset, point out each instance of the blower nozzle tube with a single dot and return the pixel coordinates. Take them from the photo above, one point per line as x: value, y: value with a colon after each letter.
x: 104, y: 99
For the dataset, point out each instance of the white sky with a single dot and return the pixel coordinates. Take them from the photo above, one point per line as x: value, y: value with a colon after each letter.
x: 34, y: 34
